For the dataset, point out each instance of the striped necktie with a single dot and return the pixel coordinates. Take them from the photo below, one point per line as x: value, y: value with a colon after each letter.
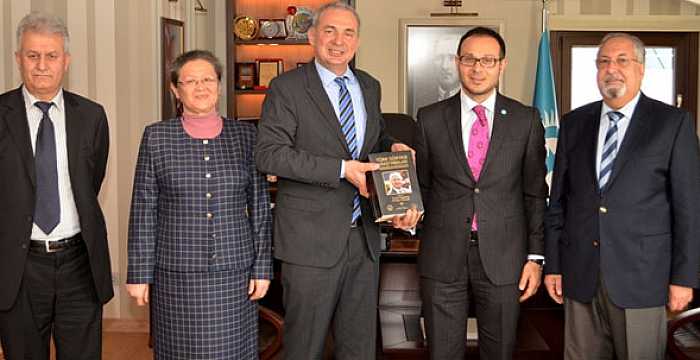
x: 609, y: 149
x: 47, y: 210
x: 347, y: 125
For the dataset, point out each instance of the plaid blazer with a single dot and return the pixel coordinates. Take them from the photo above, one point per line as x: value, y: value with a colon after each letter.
x: 198, y: 205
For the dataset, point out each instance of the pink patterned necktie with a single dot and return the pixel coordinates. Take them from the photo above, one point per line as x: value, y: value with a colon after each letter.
x: 478, y: 146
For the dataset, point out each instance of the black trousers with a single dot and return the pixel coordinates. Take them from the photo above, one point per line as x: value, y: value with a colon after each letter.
x: 57, y: 297
x: 445, y: 307
x: 344, y: 295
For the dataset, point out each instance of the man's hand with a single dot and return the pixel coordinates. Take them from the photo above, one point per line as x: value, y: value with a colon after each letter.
x: 138, y: 292
x: 403, y: 147
x: 258, y: 288
x: 355, y: 174
x: 529, y: 280
x: 679, y: 297
x: 553, y: 284
x: 406, y: 221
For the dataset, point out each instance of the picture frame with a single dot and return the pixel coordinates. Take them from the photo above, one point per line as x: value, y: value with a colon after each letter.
x: 245, y: 75
x: 267, y: 69
x: 427, y: 48
x: 172, y: 44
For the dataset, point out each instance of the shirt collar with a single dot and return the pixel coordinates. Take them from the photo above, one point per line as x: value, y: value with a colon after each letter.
x: 627, y: 110
x: 469, y: 103
x: 30, y: 99
x: 328, y: 77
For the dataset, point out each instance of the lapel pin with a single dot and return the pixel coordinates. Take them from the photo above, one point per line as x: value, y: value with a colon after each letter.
x: 503, y: 111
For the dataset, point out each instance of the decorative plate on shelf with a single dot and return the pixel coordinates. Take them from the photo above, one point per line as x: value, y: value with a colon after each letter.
x: 245, y: 27
x: 272, y: 28
x: 302, y: 21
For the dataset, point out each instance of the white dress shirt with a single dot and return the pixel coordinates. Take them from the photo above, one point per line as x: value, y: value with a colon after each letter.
x: 69, y: 223
x: 358, y: 102
x: 469, y: 116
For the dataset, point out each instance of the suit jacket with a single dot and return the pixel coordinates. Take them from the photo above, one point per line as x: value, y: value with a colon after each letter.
x: 88, y: 142
x: 175, y: 227
x: 508, y: 198
x: 642, y: 232
x: 301, y: 142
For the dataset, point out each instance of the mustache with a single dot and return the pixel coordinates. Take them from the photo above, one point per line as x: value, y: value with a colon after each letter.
x: 610, y: 78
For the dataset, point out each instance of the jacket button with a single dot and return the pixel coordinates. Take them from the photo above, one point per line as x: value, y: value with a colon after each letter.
x: 476, y: 190
x: 595, y: 243
x: 603, y: 210
x: 24, y: 246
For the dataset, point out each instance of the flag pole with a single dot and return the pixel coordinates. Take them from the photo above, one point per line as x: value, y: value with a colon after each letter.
x: 544, y: 15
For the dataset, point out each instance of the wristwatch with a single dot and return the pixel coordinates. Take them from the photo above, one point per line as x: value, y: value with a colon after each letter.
x: 539, y: 262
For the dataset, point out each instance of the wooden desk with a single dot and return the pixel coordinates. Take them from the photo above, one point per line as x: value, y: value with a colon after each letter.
x: 540, y: 330
x: 398, y: 344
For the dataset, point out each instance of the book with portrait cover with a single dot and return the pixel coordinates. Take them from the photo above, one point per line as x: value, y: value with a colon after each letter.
x: 393, y: 188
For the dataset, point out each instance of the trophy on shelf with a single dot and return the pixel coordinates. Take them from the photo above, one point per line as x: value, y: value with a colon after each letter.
x: 291, y: 11
x: 298, y: 21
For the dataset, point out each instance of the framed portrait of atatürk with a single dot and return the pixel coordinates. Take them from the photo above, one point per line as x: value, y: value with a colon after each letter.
x: 428, y: 48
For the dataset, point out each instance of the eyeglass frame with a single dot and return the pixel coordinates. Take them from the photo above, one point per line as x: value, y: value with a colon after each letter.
x: 479, y: 61
x: 205, y: 81
x: 626, y: 62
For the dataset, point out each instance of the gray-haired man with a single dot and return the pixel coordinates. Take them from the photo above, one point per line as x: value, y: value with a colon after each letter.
x: 54, y: 260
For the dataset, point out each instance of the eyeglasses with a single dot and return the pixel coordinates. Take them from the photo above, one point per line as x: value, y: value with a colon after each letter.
x: 486, y: 61
x: 207, y: 81
x: 621, y: 62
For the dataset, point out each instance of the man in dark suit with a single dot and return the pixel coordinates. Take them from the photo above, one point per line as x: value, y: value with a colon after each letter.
x: 318, y: 124
x: 54, y: 261
x: 623, y: 223
x: 480, y: 162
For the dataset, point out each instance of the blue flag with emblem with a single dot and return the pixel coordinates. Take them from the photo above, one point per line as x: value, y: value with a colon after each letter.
x: 545, y: 101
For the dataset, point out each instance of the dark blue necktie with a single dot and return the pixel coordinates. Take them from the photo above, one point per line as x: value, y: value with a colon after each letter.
x: 347, y: 125
x: 610, y: 146
x: 47, y: 209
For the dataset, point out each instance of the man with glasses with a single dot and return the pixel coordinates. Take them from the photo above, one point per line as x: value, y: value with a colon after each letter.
x: 623, y: 222
x: 481, y: 166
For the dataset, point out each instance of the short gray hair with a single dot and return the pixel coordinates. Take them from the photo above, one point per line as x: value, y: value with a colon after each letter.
x: 639, y: 49
x: 337, y: 5
x: 42, y: 23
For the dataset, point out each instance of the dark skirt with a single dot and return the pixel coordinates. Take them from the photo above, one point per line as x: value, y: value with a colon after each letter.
x: 203, y: 316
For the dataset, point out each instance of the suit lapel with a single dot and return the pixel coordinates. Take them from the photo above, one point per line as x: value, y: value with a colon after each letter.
x: 453, y: 122
x: 73, y: 131
x: 500, y: 131
x: 591, y: 150
x: 15, y: 116
x: 636, y: 133
x: 318, y: 95
x: 369, y: 94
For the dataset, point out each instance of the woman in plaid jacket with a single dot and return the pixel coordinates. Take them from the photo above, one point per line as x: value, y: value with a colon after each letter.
x: 199, y: 232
